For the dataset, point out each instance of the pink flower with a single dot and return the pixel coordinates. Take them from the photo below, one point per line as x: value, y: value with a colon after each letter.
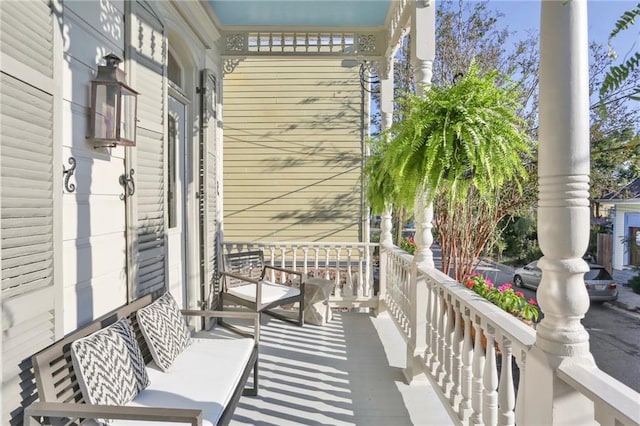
x: 520, y: 294
x: 488, y: 280
x: 504, y: 287
x: 490, y: 286
x: 533, y: 302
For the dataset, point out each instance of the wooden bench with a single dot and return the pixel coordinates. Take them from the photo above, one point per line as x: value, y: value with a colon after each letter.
x: 61, y: 399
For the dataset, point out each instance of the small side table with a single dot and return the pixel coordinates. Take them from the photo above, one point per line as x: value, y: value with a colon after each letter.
x: 316, y: 300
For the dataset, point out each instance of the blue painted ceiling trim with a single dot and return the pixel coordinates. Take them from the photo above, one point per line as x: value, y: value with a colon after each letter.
x: 296, y: 13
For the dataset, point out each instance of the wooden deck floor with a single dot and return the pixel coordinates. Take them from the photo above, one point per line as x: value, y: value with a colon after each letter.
x: 348, y: 372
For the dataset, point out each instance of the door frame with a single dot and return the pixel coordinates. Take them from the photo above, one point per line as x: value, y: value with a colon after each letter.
x: 182, y: 179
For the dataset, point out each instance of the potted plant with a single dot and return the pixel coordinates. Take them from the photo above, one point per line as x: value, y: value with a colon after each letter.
x: 505, y: 297
x: 448, y: 141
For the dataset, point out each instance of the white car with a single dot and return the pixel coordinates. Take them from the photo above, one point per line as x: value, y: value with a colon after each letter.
x: 599, y: 282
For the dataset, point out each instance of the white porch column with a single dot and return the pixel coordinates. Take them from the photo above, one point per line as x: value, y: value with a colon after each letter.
x: 386, y: 240
x: 423, y: 18
x: 423, y: 50
x: 563, y: 216
x: 386, y: 113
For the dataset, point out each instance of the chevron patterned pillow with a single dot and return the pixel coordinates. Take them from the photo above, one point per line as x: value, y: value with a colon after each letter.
x: 164, y: 329
x: 109, y: 365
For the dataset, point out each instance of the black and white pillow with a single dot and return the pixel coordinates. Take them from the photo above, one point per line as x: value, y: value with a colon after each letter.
x: 109, y: 365
x: 164, y: 329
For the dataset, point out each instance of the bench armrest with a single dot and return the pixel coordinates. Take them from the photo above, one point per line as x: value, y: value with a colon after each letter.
x: 92, y: 411
x: 227, y: 314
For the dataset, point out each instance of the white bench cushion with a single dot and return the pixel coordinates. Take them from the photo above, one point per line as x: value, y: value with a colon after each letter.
x: 270, y: 292
x: 203, y: 376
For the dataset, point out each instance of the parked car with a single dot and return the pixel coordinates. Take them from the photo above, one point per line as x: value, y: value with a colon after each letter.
x: 599, y: 282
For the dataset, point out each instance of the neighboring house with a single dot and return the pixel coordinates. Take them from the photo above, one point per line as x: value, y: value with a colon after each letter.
x: 624, y: 209
x: 294, y: 146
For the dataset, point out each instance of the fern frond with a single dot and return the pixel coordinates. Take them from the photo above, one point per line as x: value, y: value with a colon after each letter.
x: 625, y: 22
x: 619, y: 73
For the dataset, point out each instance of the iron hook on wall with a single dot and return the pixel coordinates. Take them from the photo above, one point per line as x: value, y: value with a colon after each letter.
x: 128, y: 183
x: 67, y: 173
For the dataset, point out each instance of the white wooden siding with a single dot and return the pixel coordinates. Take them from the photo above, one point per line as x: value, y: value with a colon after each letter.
x: 93, y: 230
x: 26, y: 142
x: 292, y: 151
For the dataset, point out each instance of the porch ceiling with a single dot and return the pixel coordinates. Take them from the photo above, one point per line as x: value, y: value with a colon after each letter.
x: 359, y: 29
x: 301, y: 13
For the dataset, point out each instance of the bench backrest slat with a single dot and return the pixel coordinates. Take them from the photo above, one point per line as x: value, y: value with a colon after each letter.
x: 53, y: 367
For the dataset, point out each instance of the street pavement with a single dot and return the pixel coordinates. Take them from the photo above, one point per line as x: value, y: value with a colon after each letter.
x: 627, y: 299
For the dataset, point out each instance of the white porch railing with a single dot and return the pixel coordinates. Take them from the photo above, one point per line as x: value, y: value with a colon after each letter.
x: 348, y: 265
x: 475, y: 354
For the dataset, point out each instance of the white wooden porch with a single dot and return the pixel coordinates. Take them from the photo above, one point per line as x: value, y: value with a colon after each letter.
x: 347, y: 372
x: 354, y: 369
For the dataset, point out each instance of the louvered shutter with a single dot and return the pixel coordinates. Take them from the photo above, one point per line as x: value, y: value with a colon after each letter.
x: 149, y: 51
x: 208, y: 189
x: 26, y: 193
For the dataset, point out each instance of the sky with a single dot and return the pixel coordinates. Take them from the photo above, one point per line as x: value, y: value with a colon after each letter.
x: 523, y: 15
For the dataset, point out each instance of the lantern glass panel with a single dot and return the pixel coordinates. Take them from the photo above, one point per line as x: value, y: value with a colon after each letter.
x: 128, y: 115
x: 105, y: 118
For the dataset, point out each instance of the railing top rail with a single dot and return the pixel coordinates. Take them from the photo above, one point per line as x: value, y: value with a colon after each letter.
x: 300, y: 243
x: 598, y: 386
x: 505, y: 324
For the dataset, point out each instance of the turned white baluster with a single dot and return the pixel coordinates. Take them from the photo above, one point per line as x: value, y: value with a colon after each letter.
x: 305, y: 266
x: 428, y: 353
x: 441, y: 338
x: 316, y: 264
x: 349, y: 278
x: 283, y: 264
x: 327, y: 276
x: 272, y: 262
x: 467, y: 373
x: 447, y: 382
x: 337, y: 279
x: 294, y: 258
x: 521, y: 361
x: 456, y: 348
x: 506, y: 393
x: 435, y: 315
x: 478, y: 369
x: 490, y: 381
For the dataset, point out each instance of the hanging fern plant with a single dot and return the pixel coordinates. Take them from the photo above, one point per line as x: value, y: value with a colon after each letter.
x: 452, y: 138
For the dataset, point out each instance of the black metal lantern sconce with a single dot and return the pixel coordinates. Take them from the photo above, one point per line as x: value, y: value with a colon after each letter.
x: 114, y: 105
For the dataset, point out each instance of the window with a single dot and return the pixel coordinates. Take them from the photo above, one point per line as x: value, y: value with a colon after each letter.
x: 174, y: 71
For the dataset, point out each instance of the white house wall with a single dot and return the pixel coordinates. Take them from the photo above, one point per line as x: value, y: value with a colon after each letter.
x: 96, y: 245
x: 94, y: 262
x: 620, y: 233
